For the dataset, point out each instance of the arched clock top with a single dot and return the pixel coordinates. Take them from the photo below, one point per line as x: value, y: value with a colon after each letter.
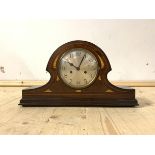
x: 98, y: 52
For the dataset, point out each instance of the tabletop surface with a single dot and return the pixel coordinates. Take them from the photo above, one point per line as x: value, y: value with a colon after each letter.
x: 15, y: 119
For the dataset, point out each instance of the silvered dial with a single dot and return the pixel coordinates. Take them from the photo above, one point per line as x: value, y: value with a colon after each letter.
x: 78, y: 68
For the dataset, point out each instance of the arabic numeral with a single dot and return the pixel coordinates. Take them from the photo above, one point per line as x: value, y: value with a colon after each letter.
x: 91, y: 75
x: 63, y: 67
x: 78, y: 53
x: 71, y: 55
x: 70, y: 81
x: 90, y: 60
x: 85, y: 80
x: 77, y: 82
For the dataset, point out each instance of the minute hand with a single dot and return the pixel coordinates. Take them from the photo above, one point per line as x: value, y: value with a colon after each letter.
x: 81, y: 62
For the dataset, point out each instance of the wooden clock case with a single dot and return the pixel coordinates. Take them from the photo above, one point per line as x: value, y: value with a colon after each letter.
x: 57, y: 93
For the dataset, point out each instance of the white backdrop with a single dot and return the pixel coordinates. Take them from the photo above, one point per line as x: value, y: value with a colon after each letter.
x: 26, y: 46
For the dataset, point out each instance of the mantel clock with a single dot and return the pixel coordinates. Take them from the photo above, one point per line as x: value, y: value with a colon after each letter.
x: 78, y: 71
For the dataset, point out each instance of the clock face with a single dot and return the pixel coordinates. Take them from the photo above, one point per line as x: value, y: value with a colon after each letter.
x: 78, y: 68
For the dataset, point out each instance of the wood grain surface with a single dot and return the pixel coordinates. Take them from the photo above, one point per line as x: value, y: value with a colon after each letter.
x: 15, y: 119
x: 28, y: 83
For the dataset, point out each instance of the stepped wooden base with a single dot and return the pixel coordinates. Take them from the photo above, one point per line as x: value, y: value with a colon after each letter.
x: 34, y: 98
x: 76, y: 103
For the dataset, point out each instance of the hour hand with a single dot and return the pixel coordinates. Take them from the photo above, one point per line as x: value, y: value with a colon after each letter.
x: 71, y: 64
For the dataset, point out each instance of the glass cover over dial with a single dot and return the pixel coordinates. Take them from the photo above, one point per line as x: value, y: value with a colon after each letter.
x: 78, y: 68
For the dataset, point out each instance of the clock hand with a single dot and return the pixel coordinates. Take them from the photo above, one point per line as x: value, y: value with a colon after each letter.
x: 71, y: 64
x: 81, y: 61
